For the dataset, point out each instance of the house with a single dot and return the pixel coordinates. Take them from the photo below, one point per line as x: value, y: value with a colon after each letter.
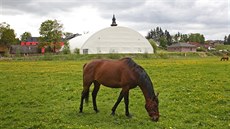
x: 198, y: 45
x: 24, y: 50
x: 182, y: 47
x: 214, y: 43
x: 30, y: 46
x: 30, y: 41
x: 207, y: 45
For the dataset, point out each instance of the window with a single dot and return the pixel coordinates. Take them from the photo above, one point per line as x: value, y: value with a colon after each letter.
x: 85, y: 51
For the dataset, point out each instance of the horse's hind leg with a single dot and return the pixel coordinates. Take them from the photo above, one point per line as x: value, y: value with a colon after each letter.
x: 94, y: 95
x: 84, y: 95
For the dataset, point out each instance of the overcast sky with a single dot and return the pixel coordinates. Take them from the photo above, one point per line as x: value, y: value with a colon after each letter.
x: 208, y: 17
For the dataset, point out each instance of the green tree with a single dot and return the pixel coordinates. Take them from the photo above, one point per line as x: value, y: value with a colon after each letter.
x: 25, y: 35
x: 163, y: 42
x: 197, y: 38
x: 158, y: 35
x: 227, y: 40
x: 7, y: 35
x: 184, y: 38
x: 177, y: 37
x: 51, y: 34
x: 168, y: 38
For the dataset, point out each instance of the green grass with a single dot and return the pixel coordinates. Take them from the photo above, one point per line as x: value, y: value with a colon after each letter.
x: 194, y: 93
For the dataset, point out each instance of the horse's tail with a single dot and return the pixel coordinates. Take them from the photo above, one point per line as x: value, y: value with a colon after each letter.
x: 84, y: 65
x: 87, y: 92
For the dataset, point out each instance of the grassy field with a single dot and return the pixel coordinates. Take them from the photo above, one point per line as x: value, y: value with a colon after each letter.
x: 194, y: 93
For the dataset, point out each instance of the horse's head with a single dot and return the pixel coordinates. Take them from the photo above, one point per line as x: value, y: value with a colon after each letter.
x: 152, y: 108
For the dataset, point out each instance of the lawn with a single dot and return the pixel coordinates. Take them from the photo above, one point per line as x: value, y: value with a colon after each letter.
x: 194, y: 93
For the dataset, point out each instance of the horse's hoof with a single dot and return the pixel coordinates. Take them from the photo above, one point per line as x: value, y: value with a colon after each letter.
x: 113, y: 113
x: 129, y: 115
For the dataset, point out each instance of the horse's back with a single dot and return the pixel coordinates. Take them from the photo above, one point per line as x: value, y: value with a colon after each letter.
x: 111, y: 73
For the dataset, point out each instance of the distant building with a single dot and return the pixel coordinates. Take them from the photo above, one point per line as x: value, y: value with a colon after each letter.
x: 182, y: 47
x: 30, y: 41
x: 24, y: 50
x: 114, y: 39
x: 30, y: 46
x: 215, y: 42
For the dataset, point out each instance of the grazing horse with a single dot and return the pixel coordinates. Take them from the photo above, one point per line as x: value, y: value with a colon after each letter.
x: 123, y: 73
x: 224, y: 58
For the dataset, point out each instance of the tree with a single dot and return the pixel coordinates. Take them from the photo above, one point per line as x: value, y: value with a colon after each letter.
x: 176, y: 37
x: 197, y: 38
x: 7, y: 35
x: 163, y: 42
x: 168, y: 38
x: 158, y: 35
x: 51, y: 34
x: 25, y: 35
x: 228, y: 40
x: 184, y: 38
x: 225, y: 40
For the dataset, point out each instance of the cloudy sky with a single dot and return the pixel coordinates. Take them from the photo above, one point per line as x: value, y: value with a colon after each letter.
x: 208, y: 17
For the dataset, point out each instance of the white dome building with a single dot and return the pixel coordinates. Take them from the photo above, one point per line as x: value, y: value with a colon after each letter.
x: 116, y: 39
x: 78, y: 41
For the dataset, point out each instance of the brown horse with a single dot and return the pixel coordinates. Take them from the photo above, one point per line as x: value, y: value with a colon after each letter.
x: 224, y: 58
x: 123, y: 73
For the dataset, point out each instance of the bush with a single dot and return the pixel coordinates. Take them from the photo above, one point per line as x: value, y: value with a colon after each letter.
x: 76, y: 51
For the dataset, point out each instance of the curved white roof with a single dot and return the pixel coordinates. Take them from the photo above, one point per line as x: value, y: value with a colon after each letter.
x: 116, y: 39
x: 78, y: 41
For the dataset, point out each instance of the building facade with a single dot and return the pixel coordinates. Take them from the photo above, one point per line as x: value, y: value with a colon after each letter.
x: 181, y: 47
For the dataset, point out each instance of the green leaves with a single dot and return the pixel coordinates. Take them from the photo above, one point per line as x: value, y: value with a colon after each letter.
x: 51, y: 34
x: 7, y: 35
x: 25, y: 35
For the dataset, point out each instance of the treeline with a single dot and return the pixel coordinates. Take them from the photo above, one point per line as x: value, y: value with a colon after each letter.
x: 164, y: 38
x: 51, y: 34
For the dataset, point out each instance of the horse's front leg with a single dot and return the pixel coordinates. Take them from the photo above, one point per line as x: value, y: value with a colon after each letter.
x: 126, y: 97
x: 117, y: 103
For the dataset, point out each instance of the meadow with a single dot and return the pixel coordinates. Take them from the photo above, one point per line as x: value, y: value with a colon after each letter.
x: 193, y: 93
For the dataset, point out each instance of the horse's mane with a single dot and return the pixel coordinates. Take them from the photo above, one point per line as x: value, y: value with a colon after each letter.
x: 144, y: 79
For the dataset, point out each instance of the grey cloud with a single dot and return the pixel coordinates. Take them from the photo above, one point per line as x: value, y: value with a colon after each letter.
x: 180, y: 14
x: 190, y: 12
x: 43, y: 7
